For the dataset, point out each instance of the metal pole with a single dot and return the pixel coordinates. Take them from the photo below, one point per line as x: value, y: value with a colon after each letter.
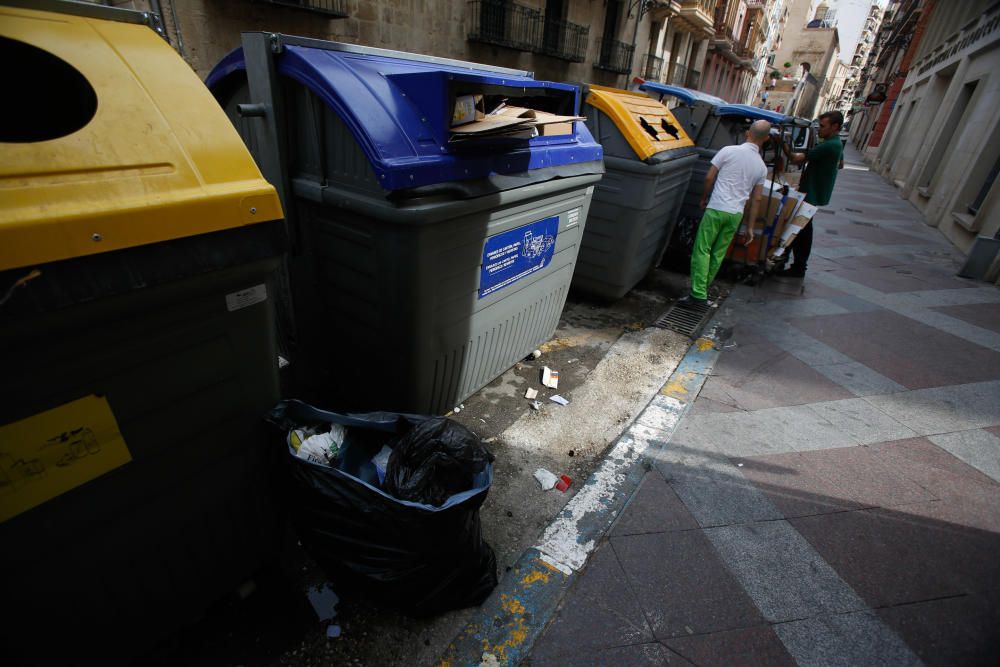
x: 638, y: 17
x: 177, y: 28
x: 157, y: 11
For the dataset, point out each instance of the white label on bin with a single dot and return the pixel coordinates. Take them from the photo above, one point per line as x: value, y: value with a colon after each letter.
x: 573, y: 218
x: 246, y: 297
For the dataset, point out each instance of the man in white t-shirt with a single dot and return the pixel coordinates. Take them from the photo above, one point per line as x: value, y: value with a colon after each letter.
x: 737, y: 174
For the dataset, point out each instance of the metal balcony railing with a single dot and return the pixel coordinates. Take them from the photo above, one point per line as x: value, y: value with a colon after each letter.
x: 653, y: 68
x: 334, y: 8
x: 564, y: 40
x: 616, y: 56
x: 693, y: 79
x: 685, y: 77
x: 505, y: 23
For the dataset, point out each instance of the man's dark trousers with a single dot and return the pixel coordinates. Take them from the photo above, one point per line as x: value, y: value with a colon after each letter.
x: 801, y: 247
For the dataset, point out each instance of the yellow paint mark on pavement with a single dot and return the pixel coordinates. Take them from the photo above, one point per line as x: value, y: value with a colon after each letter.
x: 675, y: 388
x: 517, y: 631
x: 512, y: 605
x: 564, y: 342
x: 535, y: 576
x: 704, y: 344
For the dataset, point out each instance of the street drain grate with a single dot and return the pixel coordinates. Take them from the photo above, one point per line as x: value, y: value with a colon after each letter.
x: 686, y: 320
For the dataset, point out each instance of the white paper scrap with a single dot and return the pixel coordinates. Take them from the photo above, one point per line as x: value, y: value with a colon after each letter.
x: 545, y: 479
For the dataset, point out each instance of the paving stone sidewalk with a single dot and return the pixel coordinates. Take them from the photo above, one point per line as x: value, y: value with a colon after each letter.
x: 833, y: 495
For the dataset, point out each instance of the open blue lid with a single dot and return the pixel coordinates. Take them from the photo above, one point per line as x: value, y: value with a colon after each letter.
x: 754, y: 113
x: 398, y: 107
x: 685, y: 95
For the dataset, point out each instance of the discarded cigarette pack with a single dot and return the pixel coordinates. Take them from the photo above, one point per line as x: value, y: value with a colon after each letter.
x: 550, y: 378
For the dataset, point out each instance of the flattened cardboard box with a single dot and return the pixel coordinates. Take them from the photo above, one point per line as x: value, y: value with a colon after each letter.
x: 514, y: 119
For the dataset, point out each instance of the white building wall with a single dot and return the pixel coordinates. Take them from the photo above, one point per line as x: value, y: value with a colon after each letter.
x: 941, y: 151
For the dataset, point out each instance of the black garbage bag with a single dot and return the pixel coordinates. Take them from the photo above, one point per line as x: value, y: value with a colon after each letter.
x: 422, y: 559
x: 435, y: 460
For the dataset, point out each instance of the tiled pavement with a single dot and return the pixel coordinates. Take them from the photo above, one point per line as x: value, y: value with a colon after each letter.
x: 832, y: 498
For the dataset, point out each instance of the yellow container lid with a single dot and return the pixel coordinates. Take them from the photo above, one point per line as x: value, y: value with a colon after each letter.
x: 158, y: 160
x: 639, y: 117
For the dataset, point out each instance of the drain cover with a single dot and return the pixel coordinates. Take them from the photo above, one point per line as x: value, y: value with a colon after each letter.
x: 686, y: 320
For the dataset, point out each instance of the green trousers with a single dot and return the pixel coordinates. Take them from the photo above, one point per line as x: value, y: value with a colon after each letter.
x: 714, y: 235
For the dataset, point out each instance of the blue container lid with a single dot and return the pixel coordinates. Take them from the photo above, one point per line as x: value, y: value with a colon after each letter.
x: 754, y: 113
x: 397, y: 108
x: 685, y: 95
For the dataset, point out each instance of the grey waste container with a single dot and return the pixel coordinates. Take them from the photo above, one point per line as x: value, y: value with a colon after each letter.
x: 421, y: 267
x: 648, y: 159
x: 692, y: 108
x: 138, y: 250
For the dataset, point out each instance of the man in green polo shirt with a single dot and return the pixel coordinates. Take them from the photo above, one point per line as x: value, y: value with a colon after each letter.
x: 822, y: 164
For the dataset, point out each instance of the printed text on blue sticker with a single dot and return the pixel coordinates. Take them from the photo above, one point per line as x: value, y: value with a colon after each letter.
x: 517, y: 253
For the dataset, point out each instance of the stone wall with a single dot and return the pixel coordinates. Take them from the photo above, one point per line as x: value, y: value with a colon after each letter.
x: 211, y: 28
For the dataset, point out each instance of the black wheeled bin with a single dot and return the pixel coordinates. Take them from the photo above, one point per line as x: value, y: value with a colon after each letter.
x: 648, y: 159
x: 421, y: 267
x: 138, y: 247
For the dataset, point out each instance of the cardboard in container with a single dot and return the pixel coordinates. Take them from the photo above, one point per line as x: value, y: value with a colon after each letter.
x: 468, y: 109
x: 511, y: 121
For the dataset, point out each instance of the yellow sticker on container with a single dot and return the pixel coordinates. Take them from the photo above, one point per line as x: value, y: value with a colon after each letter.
x: 47, y: 454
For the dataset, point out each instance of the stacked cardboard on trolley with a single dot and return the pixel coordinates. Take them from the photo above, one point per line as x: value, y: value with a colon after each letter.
x: 779, y: 221
x: 803, y: 216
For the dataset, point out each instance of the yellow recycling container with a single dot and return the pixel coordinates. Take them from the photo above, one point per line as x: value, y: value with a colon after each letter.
x: 138, y: 249
x: 648, y: 159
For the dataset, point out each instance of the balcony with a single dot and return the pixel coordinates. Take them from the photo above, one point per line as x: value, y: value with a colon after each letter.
x: 723, y: 38
x: 653, y: 69
x: 505, y: 23
x: 685, y: 77
x: 696, y: 16
x: 332, y: 8
x: 563, y: 40
x: 616, y: 56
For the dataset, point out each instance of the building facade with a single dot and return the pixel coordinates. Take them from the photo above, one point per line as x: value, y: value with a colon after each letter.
x: 562, y: 40
x: 863, y: 52
x: 772, y: 26
x: 882, y: 80
x: 807, y: 59
x: 679, y: 34
x: 729, y: 65
x: 941, y: 144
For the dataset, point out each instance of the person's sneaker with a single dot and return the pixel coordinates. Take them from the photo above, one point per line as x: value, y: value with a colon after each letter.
x: 691, y: 301
x: 792, y: 272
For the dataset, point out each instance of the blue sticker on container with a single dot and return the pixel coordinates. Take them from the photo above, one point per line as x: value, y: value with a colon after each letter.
x: 517, y: 253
